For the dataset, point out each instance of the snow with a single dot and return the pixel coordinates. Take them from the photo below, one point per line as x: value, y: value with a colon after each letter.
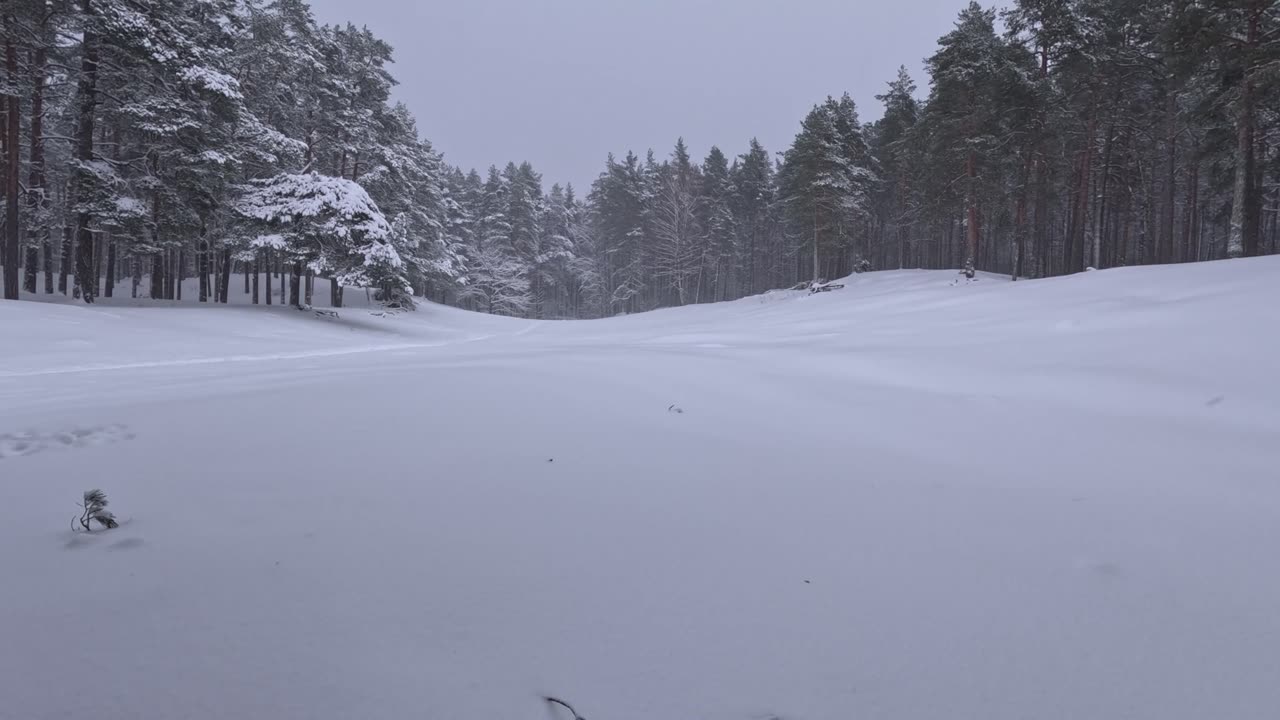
x: 130, y: 206
x: 214, y: 81
x: 271, y: 240
x: 911, y: 498
x: 342, y: 205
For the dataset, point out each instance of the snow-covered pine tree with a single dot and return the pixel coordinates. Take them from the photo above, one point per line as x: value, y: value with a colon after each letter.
x: 673, y: 220
x: 823, y: 181
x: 972, y: 71
x: 717, y: 223
x: 753, y: 206
x: 892, y: 152
x: 333, y: 227
x: 618, y: 197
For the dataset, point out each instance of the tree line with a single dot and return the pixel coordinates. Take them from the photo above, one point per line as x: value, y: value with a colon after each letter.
x: 147, y: 142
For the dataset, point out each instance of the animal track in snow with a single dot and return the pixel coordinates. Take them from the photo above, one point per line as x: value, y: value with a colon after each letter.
x: 32, y: 442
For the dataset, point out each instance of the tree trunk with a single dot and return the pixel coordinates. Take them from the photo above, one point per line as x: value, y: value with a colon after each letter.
x: 64, y: 263
x: 1242, y: 240
x: 13, y: 169
x: 1074, y: 247
x: 157, y: 276
x: 1019, y: 235
x: 87, y: 90
x: 1237, y: 244
x: 295, y: 285
x: 169, y: 257
x: 1189, y: 213
x: 224, y: 290
x: 110, y: 273
x: 179, y: 274
x: 971, y: 216
x: 48, y: 263
x: 817, y: 273
x: 269, y: 273
x: 245, y: 267
x: 256, y: 259
x: 1038, y: 252
x: 37, y: 197
x: 202, y: 263
x: 1164, y: 244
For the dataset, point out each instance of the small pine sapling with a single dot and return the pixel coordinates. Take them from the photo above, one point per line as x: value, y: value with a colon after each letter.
x: 95, y: 508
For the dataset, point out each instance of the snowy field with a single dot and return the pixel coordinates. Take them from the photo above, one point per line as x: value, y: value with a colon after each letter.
x: 908, y: 500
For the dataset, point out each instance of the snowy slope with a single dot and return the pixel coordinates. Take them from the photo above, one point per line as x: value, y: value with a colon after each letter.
x: 910, y: 499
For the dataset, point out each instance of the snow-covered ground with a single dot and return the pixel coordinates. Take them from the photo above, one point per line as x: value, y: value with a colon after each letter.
x: 910, y: 499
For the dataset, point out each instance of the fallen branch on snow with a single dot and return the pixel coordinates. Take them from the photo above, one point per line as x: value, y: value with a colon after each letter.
x: 565, y: 705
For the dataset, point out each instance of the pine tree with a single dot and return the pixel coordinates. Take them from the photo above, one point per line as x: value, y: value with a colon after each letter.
x: 333, y: 227
x: 823, y: 181
x: 753, y: 204
x: 973, y: 71
x: 717, y: 223
x: 892, y: 151
x: 677, y: 257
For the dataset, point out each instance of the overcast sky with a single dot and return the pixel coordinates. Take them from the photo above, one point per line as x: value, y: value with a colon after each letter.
x: 561, y: 83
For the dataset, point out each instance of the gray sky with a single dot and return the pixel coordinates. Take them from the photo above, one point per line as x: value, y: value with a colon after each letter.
x: 561, y: 83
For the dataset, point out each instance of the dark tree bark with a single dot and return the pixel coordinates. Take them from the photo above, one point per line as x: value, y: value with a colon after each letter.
x: 1164, y: 244
x: 48, y: 264
x: 202, y: 266
x: 64, y: 265
x: 37, y: 195
x: 109, y: 273
x: 1242, y: 241
x: 972, y: 232
x: 1039, y: 256
x: 335, y: 293
x: 295, y: 285
x: 1104, y: 206
x: 224, y: 290
x: 87, y: 90
x: 1190, y: 214
x: 269, y: 270
x: 1073, y: 254
x: 157, y: 276
x: 12, y: 179
x: 170, y: 273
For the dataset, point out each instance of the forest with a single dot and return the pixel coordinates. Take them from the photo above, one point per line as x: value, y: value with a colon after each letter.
x: 147, y: 142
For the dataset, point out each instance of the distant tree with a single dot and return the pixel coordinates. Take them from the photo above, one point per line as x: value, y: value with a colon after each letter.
x: 824, y: 180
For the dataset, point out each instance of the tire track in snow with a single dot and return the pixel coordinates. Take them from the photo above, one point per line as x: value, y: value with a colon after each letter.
x: 271, y: 357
